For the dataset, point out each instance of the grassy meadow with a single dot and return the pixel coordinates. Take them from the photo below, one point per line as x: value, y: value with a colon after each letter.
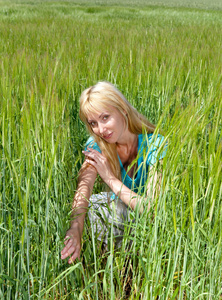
x: 166, y: 59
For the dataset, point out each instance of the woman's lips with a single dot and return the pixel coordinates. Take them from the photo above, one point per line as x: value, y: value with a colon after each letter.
x: 108, y: 136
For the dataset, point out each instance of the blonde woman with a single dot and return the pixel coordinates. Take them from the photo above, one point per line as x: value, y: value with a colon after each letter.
x: 124, y: 151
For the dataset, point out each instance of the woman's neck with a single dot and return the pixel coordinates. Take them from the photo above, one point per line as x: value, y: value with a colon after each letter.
x: 127, y: 150
x: 127, y: 153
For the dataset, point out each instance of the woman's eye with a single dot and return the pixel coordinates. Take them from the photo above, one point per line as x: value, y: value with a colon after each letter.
x: 105, y: 117
x: 92, y: 124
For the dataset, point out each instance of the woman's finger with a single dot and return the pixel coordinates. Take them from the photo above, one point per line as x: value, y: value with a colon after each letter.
x: 90, y: 154
x: 67, y: 252
x: 91, y: 162
x: 93, y: 154
x: 67, y: 239
x: 67, y: 249
x: 74, y: 256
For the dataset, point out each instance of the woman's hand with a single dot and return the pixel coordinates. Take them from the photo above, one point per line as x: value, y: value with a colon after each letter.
x: 100, y: 162
x: 72, y: 244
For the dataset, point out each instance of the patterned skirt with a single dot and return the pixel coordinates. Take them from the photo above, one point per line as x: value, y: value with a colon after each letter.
x: 108, y: 216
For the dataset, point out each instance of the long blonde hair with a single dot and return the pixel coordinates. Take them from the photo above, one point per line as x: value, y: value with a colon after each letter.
x: 100, y: 97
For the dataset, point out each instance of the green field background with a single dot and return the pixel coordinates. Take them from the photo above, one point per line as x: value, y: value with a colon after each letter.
x: 199, y: 4
x: 166, y: 59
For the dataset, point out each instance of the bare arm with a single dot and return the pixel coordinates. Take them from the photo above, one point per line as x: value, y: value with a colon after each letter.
x: 73, y: 236
x: 154, y: 182
x: 129, y: 197
x: 87, y: 177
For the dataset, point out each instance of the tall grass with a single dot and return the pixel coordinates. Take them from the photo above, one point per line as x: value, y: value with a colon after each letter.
x: 168, y: 64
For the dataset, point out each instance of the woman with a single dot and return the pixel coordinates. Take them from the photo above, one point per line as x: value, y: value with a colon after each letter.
x: 124, y: 151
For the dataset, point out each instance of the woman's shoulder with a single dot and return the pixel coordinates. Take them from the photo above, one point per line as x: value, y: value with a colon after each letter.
x: 152, y: 143
x: 148, y: 139
x: 90, y: 143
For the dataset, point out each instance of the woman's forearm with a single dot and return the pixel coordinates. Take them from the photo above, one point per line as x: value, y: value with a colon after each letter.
x: 129, y: 197
x: 80, y: 208
x: 73, y: 236
x: 81, y: 199
x: 132, y: 199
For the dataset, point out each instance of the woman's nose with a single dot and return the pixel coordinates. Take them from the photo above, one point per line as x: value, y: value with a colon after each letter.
x: 101, y: 128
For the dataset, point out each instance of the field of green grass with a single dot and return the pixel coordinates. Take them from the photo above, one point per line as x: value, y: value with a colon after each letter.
x: 166, y: 59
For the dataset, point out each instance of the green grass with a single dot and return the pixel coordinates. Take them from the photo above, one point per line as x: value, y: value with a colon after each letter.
x: 167, y: 61
x: 199, y: 4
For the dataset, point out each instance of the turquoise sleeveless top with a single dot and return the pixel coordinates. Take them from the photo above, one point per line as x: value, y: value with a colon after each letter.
x: 151, y: 148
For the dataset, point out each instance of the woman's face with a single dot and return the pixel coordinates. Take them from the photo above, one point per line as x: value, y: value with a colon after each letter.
x: 108, y: 124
